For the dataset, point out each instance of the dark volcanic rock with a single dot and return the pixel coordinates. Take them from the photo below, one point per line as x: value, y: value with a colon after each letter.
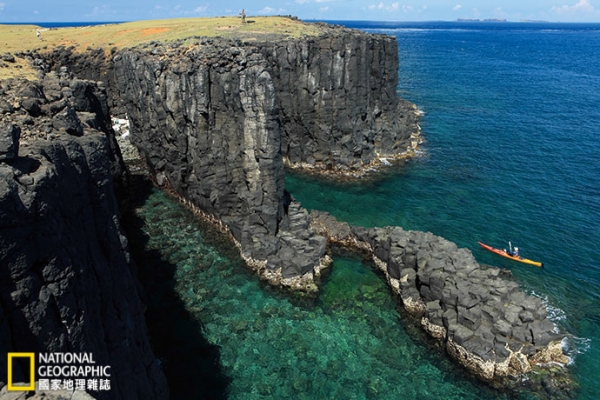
x: 5, y: 107
x: 32, y: 90
x: 9, y: 141
x: 60, y: 104
x: 211, y: 132
x: 66, y: 279
x: 66, y: 120
x: 67, y: 283
x: 8, y: 57
x: 486, y: 323
x: 32, y: 106
x: 338, y: 102
x: 215, y: 123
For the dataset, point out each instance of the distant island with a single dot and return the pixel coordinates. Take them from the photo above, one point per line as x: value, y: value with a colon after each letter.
x: 481, y: 20
x: 496, y: 20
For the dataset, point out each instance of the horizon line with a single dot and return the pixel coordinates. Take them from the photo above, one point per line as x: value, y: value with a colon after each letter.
x: 464, y: 20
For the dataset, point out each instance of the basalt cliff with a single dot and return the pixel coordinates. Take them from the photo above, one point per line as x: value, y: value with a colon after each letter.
x: 216, y: 122
x: 67, y: 280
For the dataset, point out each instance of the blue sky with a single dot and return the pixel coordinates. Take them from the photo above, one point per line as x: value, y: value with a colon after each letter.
x: 389, y: 10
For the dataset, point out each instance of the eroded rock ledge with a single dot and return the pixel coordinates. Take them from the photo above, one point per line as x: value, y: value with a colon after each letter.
x: 484, y: 321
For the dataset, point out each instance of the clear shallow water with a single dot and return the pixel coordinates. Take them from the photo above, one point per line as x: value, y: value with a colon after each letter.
x: 512, y: 153
x: 350, y: 344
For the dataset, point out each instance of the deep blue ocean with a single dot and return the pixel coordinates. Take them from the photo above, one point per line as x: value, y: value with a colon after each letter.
x: 510, y: 153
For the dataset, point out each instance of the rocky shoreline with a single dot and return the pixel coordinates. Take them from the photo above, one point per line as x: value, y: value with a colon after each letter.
x: 483, y: 319
x: 216, y: 123
x: 480, y: 316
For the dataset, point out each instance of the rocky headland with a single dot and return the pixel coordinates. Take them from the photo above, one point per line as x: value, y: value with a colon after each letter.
x: 216, y: 121
x: 225, y: 117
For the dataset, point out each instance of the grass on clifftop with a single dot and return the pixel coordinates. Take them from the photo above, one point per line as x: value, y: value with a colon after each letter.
x: 17, y: 38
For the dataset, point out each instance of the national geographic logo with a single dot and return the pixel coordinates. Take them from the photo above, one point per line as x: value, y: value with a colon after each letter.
x: 31, y: 357
x: 59, y: 371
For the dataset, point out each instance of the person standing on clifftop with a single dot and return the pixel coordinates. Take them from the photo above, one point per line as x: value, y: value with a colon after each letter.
x: 243, y: 14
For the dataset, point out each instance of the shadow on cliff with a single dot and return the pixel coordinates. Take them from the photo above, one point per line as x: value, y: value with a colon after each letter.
x: 191, y: 364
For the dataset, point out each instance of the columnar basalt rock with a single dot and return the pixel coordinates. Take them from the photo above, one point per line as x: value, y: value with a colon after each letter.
x: 216, y: 120
x: 9, y: 142
x: 485, y: 322
x: 67, y: 283
x: 209, y: 129
x: 339, y: 107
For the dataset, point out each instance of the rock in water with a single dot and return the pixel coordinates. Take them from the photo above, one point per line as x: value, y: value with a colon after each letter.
x: 484, y: 321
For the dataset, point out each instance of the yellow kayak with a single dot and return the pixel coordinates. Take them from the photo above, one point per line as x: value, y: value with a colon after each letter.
x: 515, y: 258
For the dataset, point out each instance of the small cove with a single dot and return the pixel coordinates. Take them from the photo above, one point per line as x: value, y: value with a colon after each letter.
x: 351, y: 342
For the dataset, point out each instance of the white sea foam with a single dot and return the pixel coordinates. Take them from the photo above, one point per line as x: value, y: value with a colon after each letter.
x: 121, y: 126
x: 420, y: 153
x: 574, y: 346
x: 555, y: 314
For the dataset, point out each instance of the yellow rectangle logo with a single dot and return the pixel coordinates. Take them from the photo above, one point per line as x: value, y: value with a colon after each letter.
x: 31, y: 386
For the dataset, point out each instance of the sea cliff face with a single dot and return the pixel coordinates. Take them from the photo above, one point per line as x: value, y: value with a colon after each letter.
x: 67, y: 282
x: 206, y: 121
x: 338, y: 104
x: 216, y: 120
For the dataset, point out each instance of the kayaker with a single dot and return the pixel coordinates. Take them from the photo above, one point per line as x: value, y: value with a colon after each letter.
x: 514, y: 251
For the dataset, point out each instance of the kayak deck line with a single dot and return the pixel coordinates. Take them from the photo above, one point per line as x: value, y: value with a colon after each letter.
x: 503, y: 253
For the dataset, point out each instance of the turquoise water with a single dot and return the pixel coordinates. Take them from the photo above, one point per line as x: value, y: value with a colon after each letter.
x: 511, y: 153
x: 349, y: 344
